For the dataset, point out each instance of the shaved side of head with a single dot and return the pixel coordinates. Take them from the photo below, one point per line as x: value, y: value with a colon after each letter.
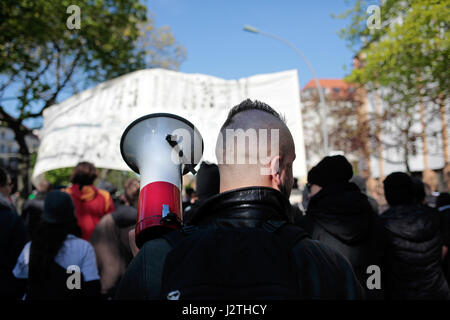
x: 250, y: 138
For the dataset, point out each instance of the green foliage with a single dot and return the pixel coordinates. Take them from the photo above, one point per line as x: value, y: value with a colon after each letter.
x: 409, y: 55
x: 42, y: 56
x: 413, y: 52
x: 42, y: 61
x: 59, y: 177
x: 116, y: 177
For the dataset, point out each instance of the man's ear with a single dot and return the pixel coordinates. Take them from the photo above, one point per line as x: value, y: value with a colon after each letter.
x: 275, y: 171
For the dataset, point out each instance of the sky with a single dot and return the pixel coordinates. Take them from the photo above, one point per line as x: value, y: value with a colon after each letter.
x: 212, y: 33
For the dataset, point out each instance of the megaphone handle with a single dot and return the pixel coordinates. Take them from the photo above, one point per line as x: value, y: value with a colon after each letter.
x: 171, y: 139
x: 171, y: 218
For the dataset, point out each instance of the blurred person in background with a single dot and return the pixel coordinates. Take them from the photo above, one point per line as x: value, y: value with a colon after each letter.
x: 341, y: 216
x: 413, y: 268
x: 207, y: 183
x: 110, y: 239
x: 91, y: 203
x: 361, y: 183
x: 443, y: 207
x: 112, y: 189
x: 13, y: 236
x: 420, y: 197
x: 419, y: 191
x: 34, y: 207
x: 296, y: 202
x: 189, y: 198
x: 305, y: 198
x: 55, y: 246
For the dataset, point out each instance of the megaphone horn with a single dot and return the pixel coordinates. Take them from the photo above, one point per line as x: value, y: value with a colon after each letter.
x: 161, y: 147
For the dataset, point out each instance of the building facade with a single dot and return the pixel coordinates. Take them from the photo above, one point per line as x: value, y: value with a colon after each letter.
x: 9, y: 150
x: 361, y: 127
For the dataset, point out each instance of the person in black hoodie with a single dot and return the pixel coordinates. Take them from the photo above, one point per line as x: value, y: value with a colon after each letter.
x: 443, y: 206
x: 341, y: 216
x: 413, y: 268
x: 13, y: 236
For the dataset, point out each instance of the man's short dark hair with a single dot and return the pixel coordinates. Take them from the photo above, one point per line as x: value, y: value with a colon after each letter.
x: 251, y: 105
x: 131, y: 190
x: 189, y: 191
x: 3, y: 177
x: 399, y: 189
x: 84, y: 174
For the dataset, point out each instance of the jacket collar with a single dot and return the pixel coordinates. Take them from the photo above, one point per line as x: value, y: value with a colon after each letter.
x: 245, y: 207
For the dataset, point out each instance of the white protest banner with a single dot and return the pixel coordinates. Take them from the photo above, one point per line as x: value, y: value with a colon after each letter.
x: 88, y: 126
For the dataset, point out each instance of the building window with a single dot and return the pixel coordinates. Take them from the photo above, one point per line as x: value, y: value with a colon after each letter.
x: 336, y: 90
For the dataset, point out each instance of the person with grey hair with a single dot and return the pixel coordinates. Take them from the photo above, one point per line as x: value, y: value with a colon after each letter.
x: 241, y: 243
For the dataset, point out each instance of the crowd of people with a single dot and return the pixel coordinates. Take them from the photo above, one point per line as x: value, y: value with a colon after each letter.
x: 241, y: 237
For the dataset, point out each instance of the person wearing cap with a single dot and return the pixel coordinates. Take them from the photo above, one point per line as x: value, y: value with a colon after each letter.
x: 56, y: 253
x: 413, y: 269
x: 341, y: 216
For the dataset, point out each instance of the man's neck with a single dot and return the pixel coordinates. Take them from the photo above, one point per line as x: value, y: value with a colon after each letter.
x: 227, y: 187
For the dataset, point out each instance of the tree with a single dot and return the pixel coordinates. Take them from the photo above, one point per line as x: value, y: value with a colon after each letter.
x: 43, y: 59
x: 409, y: 55
x: 343, y: 132
x: 61, y: 177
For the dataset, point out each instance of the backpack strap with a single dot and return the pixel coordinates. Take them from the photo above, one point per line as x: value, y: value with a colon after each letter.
x: 292, y: 234
x: 174, y: 237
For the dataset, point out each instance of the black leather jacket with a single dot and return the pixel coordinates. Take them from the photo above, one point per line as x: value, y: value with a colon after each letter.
x: 322, y: 272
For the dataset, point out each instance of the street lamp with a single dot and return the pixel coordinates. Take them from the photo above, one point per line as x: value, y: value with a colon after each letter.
x: 323, y: 106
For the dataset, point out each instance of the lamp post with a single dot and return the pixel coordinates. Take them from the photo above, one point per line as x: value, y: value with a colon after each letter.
x: 323, y: 107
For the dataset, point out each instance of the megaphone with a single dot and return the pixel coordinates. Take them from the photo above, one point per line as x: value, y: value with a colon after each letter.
x: 161, y: 147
